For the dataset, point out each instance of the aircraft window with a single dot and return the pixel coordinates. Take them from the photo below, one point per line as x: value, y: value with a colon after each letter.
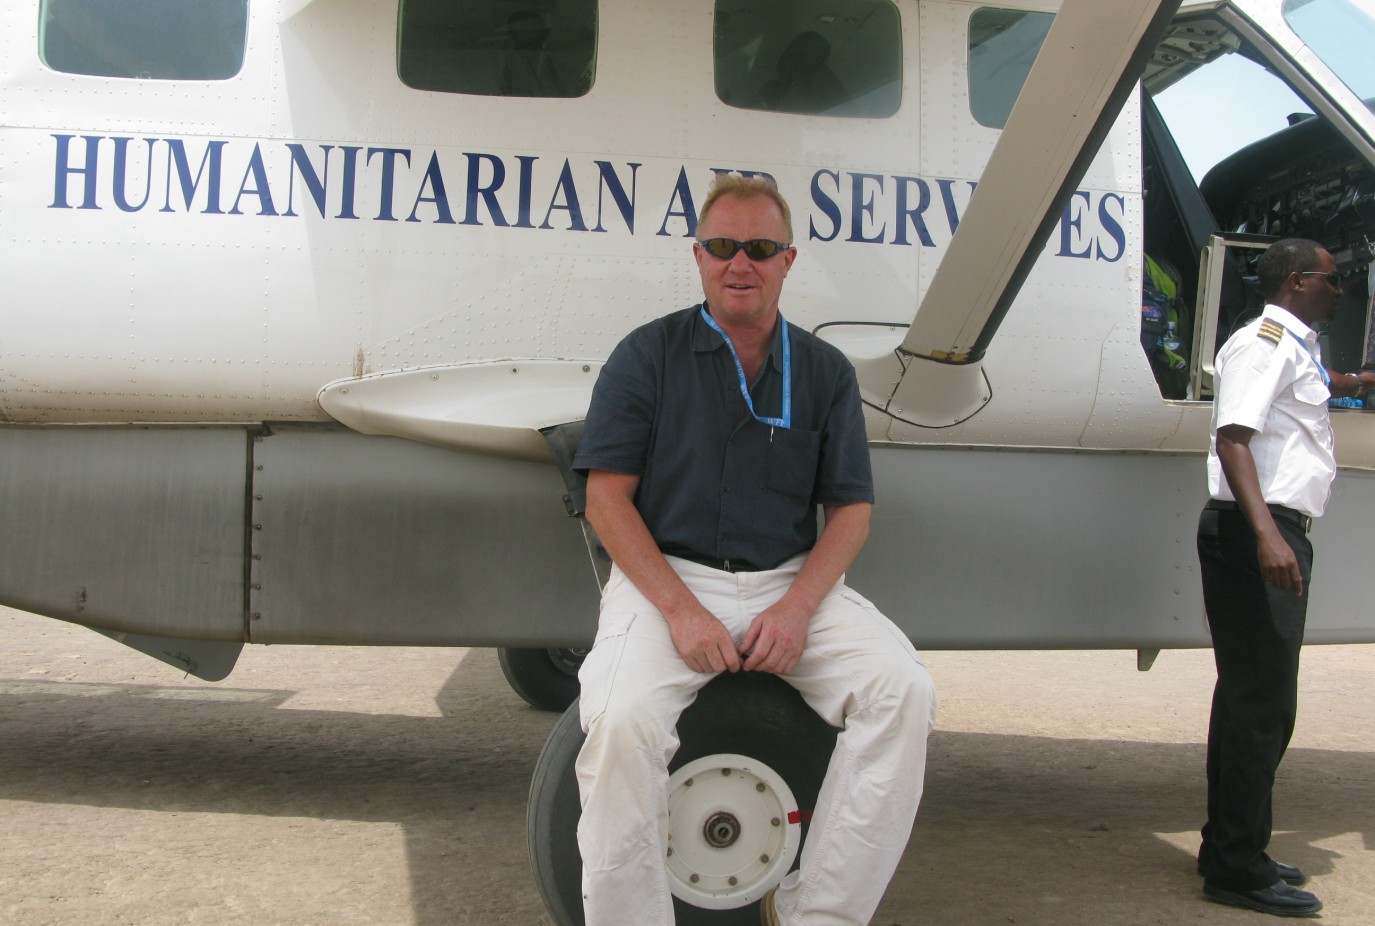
x: 1002, y: 46
x: 1341, y: 33
x: 536, y: 48
x: 150, y: 39
x: 1225, y: 105
x: 816, y: 57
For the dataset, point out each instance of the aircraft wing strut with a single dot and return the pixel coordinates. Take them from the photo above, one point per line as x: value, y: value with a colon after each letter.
x: 1093, y: 55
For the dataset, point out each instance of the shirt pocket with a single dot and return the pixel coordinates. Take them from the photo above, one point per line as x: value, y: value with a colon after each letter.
x: 790, y: 462
x: 1312, y: 393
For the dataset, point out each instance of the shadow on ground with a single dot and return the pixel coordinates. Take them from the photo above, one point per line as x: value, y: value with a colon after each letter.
x: 1013, y: 829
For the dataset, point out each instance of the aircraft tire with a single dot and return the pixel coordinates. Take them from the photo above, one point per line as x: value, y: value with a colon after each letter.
x: 757, y: 728
x: 546, y: 679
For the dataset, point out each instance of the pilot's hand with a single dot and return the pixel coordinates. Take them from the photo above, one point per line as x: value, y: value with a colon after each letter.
x: 775, y: 639
x: 703, y: 642
x: 1278, y: 564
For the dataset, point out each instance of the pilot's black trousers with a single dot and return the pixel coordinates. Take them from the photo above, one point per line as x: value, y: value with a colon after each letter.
x: 1257, y: 632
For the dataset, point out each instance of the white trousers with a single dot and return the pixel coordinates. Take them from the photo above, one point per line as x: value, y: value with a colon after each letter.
x: 858, y: 672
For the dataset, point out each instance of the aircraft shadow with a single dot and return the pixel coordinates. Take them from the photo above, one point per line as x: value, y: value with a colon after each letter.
x: 1041, y: 830
x: 1025, y: 828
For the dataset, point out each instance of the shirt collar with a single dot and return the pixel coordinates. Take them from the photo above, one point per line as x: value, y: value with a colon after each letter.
x: 1291, y: 321
x: 704, y: 339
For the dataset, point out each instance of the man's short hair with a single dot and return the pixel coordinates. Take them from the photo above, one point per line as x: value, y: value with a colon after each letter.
x: 1286, y: 256
x: 734, y: 184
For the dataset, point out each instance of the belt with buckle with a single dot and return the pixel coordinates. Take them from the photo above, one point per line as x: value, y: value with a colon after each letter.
x: 1304, y: 521
x: 725, y: 565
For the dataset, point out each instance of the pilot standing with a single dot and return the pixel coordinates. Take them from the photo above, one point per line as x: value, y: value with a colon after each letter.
x: 713, y: 435
x: 1270, y: 470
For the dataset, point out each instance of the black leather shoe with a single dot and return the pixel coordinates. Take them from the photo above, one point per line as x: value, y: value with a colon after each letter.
x: 1289, y: 874
x: 1279, y: 898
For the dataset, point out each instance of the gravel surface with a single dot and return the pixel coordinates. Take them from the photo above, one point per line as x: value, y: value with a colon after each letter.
x: 343, y: 785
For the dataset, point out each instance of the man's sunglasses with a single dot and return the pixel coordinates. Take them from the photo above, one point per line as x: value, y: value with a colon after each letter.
x: 1334, y: 279
x: 755, y: 248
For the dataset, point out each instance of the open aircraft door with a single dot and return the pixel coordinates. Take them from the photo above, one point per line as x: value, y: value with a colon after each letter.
x: 1354, y: 429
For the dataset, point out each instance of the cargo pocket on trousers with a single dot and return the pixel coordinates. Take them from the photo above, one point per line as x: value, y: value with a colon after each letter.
x: 598, y: 672
x: 882, y: 620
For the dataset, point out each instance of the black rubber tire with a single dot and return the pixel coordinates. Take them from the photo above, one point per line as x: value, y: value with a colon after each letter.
x: 551, y: 822
x: 546, y: 679
x: 747, y: 713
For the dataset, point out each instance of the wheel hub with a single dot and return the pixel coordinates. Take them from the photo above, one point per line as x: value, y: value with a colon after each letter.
x: 734, y: 831
x: 721, y: 830
x: 568, y: 660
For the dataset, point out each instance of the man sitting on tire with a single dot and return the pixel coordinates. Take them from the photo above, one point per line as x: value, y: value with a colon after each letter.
x: 713, y: 435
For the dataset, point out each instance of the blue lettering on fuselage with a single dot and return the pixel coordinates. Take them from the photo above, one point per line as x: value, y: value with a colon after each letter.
x: 209, y: 170
x: 315, y: 181
x: 326, y: 182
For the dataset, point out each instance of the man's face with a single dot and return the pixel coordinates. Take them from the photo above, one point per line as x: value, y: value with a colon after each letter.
x: 1315, y: 298
x: 740, y: 291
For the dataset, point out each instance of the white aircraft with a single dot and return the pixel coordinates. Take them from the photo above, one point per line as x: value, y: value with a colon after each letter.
x: 305, y: 300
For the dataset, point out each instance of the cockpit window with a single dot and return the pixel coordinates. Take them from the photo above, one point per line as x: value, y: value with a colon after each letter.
x: 150, y: 39
x: 816, y: 57
x: 530, y: 48
x: 1225, y: 104
x: 1341, y: 33
x: 1002, y: 46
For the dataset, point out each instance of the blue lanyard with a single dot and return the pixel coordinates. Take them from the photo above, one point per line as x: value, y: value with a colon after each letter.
x: 787, y: 420
x: 1322, y: 370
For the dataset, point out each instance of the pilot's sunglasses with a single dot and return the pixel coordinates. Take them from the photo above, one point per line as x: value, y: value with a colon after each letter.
x: 755, y: 248
x: 1333, y: 279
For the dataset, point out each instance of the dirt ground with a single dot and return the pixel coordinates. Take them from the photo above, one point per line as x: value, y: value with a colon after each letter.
x: 321, y: 785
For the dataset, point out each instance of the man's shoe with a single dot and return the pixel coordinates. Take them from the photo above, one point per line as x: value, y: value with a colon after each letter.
x: 1289, y: 874
x: 1279, y: 898
x: 768, y: 915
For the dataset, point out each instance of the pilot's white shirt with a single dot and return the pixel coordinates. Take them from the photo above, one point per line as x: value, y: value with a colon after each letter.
x: 1270, y: 381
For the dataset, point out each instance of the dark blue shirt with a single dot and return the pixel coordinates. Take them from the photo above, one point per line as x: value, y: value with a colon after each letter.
x: 714, y: 482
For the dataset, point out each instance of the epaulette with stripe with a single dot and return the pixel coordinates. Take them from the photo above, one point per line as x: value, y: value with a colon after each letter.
x: 1270, y: 330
